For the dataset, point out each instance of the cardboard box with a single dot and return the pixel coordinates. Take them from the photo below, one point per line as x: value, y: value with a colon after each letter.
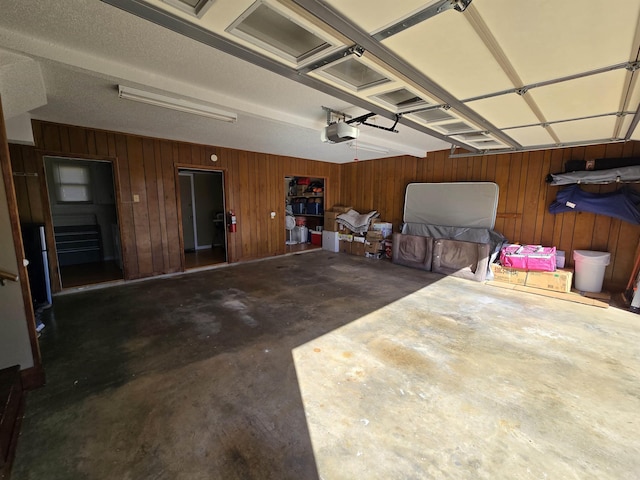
x: 345, y: 237
x: 330, y: 223
x: 508, y: 275
x: 374, y: 235
x: 345, y: 247
x: 558, y: 281
x: 375, y: 246
x: 385, y: 228
x: 358, y: 239
x: 357, y: 248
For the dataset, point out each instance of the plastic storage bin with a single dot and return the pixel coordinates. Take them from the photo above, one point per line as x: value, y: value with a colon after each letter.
x: 590, y: 267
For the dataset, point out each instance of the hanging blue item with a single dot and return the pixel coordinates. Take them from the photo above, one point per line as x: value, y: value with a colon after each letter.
x: 623, y: 203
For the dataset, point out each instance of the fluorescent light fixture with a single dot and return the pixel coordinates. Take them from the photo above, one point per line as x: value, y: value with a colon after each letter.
x: 174, y: 103
x: 367, y: 147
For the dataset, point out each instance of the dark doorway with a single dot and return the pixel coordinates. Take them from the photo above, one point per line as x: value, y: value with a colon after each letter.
x: 85, y: 220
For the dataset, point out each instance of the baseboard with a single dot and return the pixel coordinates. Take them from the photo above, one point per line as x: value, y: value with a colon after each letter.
x: 32, y: 378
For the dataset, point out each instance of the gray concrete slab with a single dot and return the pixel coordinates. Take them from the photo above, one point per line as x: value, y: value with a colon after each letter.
x: 334, y: 367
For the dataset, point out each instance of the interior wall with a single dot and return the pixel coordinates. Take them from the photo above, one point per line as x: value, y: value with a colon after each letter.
x: 522, y: 214
x: 147, y: 167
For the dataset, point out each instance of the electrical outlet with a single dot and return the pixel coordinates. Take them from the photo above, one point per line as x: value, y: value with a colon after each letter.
x: 273, y: 215
x: 136, y: 198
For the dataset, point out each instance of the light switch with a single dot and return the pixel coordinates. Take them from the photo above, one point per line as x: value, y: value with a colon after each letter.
x: 136, y: 198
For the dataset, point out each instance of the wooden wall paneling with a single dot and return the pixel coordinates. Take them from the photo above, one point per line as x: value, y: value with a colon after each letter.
x: 256, y: 208
x: 101, y: 140
x: 440, y: 159
x: 502, y: 179
x: 169, y: 218
x: 153, y: 205
x: 530, y: 184
x: 543, y: 161
x: 552, y: 224
x: 78, y: 140
x: 51, y: 137
x: 65, y: 143
x: 243, y: 207
x: 20, y: 183
x: 127, y: 225
x: 512, y: 195
x: 520, y: 209
x: 144, y: 246
x: 31, y: 165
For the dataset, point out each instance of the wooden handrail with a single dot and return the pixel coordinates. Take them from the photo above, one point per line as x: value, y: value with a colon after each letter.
x: 7, y: 276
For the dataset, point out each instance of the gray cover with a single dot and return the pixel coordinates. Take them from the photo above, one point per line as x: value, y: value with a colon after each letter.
x: 623, y: 174
x: 456, y: 204
x: 477, y: 235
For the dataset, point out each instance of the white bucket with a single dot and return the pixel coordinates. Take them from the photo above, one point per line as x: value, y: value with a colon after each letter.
x: 590, y: 267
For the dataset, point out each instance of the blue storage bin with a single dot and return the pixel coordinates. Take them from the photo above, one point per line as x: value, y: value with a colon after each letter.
x: 314, y: 208
x: 298, y: 208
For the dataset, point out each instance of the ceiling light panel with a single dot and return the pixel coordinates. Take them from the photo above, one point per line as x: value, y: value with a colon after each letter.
x: 531, y: 136
x: 588, y: 129
x: 361, y: 75
x: 480, y: 140
x: 549, y: 39
x: 451, y: 54
x: 636, y: 133
x: 268, y: 26
x: 453, y: 128
x: 427, y: 117
x: 582, y: 97
x: 625, y: 124
x: 504, y: 111
x: 401, y: 100
x: 373, y: 15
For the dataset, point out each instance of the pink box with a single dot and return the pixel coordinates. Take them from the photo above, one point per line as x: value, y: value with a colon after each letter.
x: 529, y: 257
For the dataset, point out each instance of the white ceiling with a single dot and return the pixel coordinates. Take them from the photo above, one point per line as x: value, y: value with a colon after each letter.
x: 86, y: 48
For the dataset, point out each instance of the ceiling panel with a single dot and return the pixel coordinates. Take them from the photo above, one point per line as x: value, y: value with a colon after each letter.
x: 531, y: 136
x: 588, y: 129
x: 546, y: 39
x: 373, y: 15
x: 451, y: 54
x: 505, y: 111
x: 636, y: 133
x: 626, y: 123
x: 578, y: 98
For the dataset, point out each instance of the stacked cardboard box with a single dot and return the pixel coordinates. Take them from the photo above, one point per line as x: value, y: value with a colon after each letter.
x: 330, y: 217
x: 558, y: 281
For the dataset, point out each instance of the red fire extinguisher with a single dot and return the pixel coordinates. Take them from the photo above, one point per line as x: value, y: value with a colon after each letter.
x: 231, y: 222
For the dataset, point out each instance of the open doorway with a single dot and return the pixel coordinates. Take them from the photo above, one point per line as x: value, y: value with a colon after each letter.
x: 304, y: 212
x: 85, y: 220
x: 203, y: 223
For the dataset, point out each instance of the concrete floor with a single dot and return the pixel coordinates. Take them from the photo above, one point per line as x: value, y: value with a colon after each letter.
x: 327, y: 366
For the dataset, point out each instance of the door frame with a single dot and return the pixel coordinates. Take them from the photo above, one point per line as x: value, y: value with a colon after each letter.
x: 194, y: 220
x: 54, y: 268
x: 202, y: 168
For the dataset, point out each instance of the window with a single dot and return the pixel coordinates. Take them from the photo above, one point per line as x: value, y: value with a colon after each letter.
x: 72, y: 183
x: 196, y: 8
x: 402, y: 100
x: 353, y: 73
x: 266, y: 27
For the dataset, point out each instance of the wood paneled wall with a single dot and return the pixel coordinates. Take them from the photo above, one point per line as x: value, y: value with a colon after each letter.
x: 147, y: 167
x: 254, y: 187
x: 523, y: 201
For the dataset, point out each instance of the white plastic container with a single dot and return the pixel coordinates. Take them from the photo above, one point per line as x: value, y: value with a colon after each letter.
x: 590, y: 267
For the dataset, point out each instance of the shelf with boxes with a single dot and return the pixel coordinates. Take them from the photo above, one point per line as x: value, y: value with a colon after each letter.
x: 305, y: 195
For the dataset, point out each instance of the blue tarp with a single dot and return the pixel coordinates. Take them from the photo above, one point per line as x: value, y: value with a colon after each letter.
x: 623, y: 204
